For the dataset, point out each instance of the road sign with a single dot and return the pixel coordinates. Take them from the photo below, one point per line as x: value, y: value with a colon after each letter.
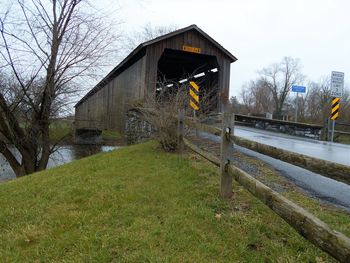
x: 194, y: 93
x: 299, y: 89
x: 337, y: 84
x: 192, y: 49
x: 335, y: 109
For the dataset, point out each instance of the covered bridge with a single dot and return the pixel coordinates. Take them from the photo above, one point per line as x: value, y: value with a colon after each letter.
x: 172, y: 56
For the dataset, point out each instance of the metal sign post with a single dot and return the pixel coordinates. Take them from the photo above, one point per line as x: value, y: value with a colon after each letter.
x: 297, y: 89
x: 333, y: 128
x: 334, y: 114
x: 296, y: 108
x: 337, y: 87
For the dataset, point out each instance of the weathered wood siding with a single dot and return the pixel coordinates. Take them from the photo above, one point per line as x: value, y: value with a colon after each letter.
x: 106, y: 108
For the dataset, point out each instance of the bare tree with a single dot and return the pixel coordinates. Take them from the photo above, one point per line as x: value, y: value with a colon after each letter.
x: 147, y: 32
x: 247, y: 99
x: 319, y: 100
x: 47, y: 46
x: 279, y: 78
x: 262, y: 96
x: 235, y: 105
x: 345, y: 106
x: 257, y: 97
x: 312, y: 103
x: 160, y: 110
x: 302, y: 108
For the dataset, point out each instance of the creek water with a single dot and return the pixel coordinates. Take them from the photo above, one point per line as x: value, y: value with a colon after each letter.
x: 64, y: 154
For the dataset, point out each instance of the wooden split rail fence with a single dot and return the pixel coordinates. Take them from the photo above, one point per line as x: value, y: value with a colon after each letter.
x: 310, y: 227
x: 328, y: 169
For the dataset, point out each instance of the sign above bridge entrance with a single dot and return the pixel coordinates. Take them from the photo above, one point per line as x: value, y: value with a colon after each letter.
x: 191, y: 49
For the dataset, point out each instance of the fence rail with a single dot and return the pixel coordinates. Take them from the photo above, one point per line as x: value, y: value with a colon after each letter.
x: 342, y: 132
x: 328, y: 169
x: 313, y: 229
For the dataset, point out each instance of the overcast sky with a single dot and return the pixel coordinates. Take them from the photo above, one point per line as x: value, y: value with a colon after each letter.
x: 257, y: 32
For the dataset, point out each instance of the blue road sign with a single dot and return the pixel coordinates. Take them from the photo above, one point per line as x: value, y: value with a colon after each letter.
x: 300, y: 89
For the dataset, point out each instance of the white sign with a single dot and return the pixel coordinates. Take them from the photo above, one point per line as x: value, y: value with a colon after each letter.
x: 337, y: 84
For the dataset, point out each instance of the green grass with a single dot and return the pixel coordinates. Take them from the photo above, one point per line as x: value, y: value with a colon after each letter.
x: 139, y: 204
x: 111, y: 135
x: 343, y: 138
x: 60, y: 130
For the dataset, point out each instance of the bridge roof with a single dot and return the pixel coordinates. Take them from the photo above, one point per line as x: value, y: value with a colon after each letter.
x: 182, y: 30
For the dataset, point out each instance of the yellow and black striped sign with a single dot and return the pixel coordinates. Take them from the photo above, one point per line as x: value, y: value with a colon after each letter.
x: 194, y: 93
x: 335, y: 108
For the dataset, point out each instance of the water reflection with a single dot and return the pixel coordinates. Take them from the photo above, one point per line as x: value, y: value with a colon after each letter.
x: 64, y: 154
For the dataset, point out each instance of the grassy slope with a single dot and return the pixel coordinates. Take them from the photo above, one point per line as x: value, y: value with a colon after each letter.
x: 345, y: 139
x: 138, y: 204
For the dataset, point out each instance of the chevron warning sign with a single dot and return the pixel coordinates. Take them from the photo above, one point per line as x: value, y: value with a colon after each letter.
x: 335, y: 108
x: 194, y: 95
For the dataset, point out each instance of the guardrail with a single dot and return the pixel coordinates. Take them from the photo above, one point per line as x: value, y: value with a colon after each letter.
x: 345, y: 126
x: 344, y: 129
x: 328, y: 169
x: 313, y: 229
x: 289, y: 127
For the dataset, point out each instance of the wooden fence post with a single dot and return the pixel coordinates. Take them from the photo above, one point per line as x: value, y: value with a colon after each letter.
x: 180, y: 130
x: 226, y: 155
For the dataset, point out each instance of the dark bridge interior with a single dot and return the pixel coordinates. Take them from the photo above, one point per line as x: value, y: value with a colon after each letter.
x: 180, y: 67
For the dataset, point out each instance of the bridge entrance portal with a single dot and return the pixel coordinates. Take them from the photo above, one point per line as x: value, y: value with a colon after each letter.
x: 176, y: 67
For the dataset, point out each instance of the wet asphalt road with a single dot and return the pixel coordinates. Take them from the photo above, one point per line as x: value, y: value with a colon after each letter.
x: 334, y: 152
x: 323, y: 188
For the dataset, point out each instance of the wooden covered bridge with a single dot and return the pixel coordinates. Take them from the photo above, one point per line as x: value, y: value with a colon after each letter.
x: 184, y: 52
